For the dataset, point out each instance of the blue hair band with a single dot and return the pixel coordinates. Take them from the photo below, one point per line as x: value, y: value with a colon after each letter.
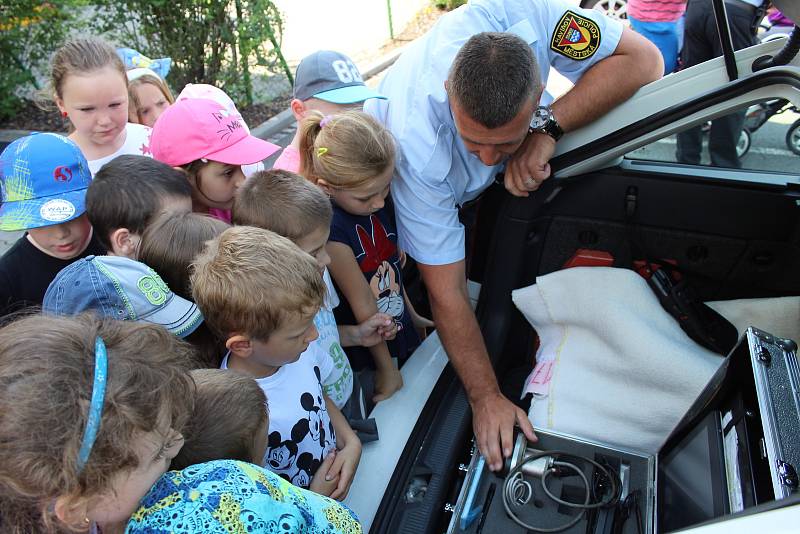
x: 96, y: 405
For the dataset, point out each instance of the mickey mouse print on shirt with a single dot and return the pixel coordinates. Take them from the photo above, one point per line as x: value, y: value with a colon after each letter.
x: 373, y: 240
x: 301, y: 434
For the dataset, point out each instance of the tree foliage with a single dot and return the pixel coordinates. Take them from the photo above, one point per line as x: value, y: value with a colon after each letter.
x: 30, y: 31
x: 210, y: 41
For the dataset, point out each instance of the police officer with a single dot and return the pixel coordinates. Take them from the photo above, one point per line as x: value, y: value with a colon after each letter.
x: 463, y: 103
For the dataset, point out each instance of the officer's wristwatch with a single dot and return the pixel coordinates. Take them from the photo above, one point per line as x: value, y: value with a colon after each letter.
x: 544, y: 122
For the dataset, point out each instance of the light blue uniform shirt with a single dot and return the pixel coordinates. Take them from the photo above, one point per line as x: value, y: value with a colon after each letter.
x: 434, y: 172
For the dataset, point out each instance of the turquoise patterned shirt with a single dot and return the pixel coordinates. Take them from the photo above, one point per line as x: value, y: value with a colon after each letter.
x: 226, y: 496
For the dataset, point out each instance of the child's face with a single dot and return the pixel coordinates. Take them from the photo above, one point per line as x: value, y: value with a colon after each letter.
x: 314, y: 244
x: 152, y: 103
x: 365, y: 199
x: 216, y: 184
x: 155, y: 450
x: 65, y: 240
x: 97, y: 104
x: 285, y: 344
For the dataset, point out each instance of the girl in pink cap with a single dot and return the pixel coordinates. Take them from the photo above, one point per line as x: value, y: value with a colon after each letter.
x: 211, y: 144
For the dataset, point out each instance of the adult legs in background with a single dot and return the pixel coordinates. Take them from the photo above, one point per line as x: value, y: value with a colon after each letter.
x: 701, y: 43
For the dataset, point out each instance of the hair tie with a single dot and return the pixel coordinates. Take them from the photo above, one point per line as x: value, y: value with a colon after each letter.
x: 96, y: 404
x: 325, y: 120
x: 321, y: 151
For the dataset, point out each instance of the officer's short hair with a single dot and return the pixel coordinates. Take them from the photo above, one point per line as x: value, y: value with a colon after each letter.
x: 492, y: 76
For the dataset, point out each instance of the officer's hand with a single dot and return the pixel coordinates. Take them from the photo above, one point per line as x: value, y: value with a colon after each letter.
x: 493, y: 419
x: 529, y: 166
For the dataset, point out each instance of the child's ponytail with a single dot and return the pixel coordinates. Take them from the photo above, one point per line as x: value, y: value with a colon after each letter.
x: 310, y: 128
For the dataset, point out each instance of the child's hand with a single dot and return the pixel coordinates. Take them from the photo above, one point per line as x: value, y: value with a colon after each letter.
x: 379, y: 327
x: 387, y: 381
x: 344, y: 467
x: 421, y: 324
x: 319, y: 483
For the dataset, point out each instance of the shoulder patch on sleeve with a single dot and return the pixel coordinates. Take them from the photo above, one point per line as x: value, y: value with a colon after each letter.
x: 576, y: 37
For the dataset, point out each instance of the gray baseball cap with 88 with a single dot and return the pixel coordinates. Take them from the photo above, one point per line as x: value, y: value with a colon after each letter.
x: 120, y: 288
x: 333, y: 77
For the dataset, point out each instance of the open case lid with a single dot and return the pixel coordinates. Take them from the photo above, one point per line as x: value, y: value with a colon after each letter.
x: 739, y: 443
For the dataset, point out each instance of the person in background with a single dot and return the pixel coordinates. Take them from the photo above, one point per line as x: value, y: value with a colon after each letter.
x: 148, y: 96
x: 327, y: 82
x: 701, y: 42
x: 661, y: 21
x: 43, y: 183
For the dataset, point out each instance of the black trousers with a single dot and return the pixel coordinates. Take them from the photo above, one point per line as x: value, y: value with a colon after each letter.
x: 701, y: 42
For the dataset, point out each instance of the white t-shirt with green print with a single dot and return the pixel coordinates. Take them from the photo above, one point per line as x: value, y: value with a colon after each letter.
x: 338, y: 383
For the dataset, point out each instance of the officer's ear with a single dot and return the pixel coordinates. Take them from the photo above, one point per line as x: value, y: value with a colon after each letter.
x: 446, y: 87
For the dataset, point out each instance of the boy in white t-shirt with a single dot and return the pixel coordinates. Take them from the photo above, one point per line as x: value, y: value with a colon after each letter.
x: 289, y: 205
x: 261, y: 293
x: 328, y: 82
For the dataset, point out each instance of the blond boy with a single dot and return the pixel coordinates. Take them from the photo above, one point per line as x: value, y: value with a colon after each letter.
x: 261, y: 294
x: 289, y: 205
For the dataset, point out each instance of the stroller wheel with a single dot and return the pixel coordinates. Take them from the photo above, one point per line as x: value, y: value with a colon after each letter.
x: 793, y: 137
x: 743, y: 144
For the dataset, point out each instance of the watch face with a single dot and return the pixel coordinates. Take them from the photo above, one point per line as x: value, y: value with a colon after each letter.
x: 540, y: 118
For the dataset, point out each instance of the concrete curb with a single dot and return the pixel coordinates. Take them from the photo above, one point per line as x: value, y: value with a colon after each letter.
x: 266, y: 129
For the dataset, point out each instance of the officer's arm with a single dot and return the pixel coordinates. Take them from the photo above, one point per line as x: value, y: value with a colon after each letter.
x: 493, y: 415
x: 634, y: 63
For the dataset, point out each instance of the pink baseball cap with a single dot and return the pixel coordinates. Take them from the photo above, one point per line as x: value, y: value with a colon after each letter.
x: 199, y: 128
x: 211, y: 92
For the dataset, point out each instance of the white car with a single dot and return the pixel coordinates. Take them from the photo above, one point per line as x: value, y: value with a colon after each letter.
x: 735, y: 230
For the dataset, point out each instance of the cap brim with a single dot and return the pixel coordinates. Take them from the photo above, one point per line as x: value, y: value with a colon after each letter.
x: 27, y: 214
x: 349, y: 95
x: 179, y: 316
x: 248, y: 150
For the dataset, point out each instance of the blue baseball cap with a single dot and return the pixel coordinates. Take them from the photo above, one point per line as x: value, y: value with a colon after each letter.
x: 43, y: 181
x: 333, y: 77
x: 120, y: 288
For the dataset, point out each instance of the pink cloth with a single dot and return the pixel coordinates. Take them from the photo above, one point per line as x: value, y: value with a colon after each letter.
x: 222, y: 215
x: 289, y: 160
x: 656, y: 10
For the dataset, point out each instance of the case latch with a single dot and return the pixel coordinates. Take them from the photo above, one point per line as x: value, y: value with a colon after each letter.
x: 764, y: 356
x: 787, y: 475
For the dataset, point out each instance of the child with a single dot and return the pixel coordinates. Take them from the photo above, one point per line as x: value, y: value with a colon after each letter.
x: 126, y: 194
x: 210, y: 144
x: 123, y: 289
x: 211, y: 92
x: 172, y: 242
x: 226, y: 496
x: 43, y: 182
x: 260, y: 293
x: 91, y: 90
x: 148, y: 96
x: 327, y: 82
x: 286, y: 204
x: 351, y: 158
x: 169, y: 245
x: 93, y: 413
x: 97, y: 445
x: 229, y: 421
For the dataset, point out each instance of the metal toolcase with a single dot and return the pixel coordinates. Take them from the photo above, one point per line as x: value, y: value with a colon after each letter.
x: 738, y: 446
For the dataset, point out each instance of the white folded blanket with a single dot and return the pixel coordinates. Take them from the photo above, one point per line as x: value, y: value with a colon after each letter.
x: 623, y: 371
x: 613, y: 366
